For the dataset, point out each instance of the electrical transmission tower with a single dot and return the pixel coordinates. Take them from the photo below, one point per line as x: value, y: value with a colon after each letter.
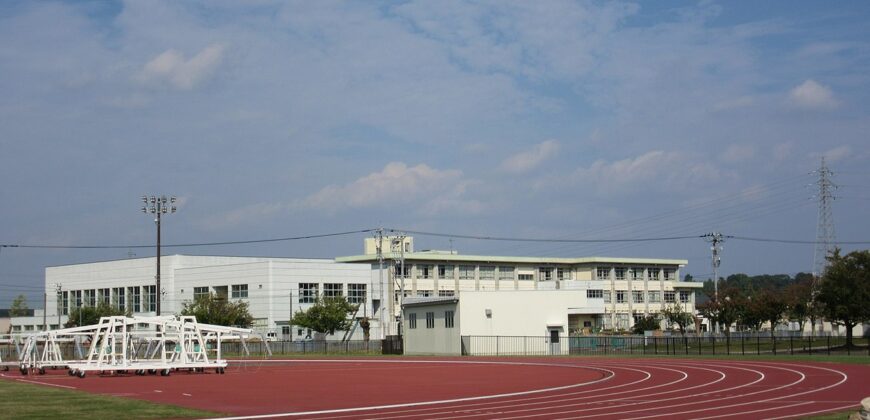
x: 716, y: 239
x: 825, y: 237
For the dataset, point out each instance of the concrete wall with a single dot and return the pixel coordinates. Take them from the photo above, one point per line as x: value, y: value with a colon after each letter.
x: 522, y: 313
x: 437, y: 340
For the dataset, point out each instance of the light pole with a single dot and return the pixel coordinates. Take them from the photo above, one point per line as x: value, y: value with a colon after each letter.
x: 157, y: 206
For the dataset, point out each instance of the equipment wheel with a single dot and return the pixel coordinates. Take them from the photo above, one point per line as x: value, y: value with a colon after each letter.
x: 70, y: 372
x: 42, y: 371
x: 164, y: 372
x: 81, y: 374
x: 152, y: 371
x: 23, y: 371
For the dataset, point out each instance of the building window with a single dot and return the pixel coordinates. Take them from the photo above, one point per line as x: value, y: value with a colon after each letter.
x: 466, y: 272
x: 637, y: 318
x: 135, y: 298
x: 669, y: 274
x: 333, y: 290
x: 239, y: 291
x: 527, y: 277
x: 448, y: 319
x: 356, y: 293
x: 412, y: 321
x: 200, y: 293
x: 685, y: 296
x: 150, y: 298
x: 563, y: 273
x: 653, y: 273
x: 620, y: 273
x: 594, y: 294
x: 602, y: 273
x: 120, y: 298
x: 620, y: 296
x: 307, y: 292
x: 402, y: 270
x: 487, y: 272
x: 91, y: 297
x: 637, y: 273
x: 430, y: 319
x: 424, y: 293
x: 637, y: 296
x: 445, y: 271
x: 446, y: 293
x: 607, y: 296
x: 105, y: 297
x: 65, y: 300
x: 669, y: 297
x: 424, y: 271
x: 655, y: 297
x: 546, y: 273
x: 505, y: 273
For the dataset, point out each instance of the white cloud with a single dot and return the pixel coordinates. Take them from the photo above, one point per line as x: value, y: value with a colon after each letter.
x: 837, y: 153
x: 528, y: 160
x: 172, y: 68
x: 810, y: 94
x: 736, y: 153
x: 783, y: 151
x: 438, y: 189
x: 652, y: 171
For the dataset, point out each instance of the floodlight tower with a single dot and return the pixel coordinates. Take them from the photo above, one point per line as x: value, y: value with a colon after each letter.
x: 158, y: 206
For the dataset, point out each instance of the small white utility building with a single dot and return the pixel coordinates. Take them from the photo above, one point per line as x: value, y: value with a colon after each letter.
x: 436, y: 325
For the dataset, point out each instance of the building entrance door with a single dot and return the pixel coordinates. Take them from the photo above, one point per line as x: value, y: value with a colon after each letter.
x: 555, y: 345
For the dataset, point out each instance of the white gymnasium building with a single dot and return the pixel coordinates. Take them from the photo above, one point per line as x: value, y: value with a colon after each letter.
x: 602, y: 293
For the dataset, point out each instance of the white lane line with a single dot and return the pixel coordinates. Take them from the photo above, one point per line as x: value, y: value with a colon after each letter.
x: 495, y: 405
x: 619, y: 402
x: 809, y: 413
x: 46, y: 383
x: 780, y: 407
x: 417, y: 404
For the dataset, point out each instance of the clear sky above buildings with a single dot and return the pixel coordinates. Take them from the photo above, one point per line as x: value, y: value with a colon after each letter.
x: 544, y: 119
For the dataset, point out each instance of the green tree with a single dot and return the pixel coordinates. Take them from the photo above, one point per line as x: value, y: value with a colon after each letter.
x: 90, y: 315
x: 798, y: 297
x: 327, y: 315
x: 650, y: 322
x: 218, y: 310
x: 19, y: 306
x: 676, y: 314
x: 771, y: 307
x: 845, y: 290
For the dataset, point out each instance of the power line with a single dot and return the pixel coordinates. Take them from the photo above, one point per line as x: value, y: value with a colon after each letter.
x: 253, y: 241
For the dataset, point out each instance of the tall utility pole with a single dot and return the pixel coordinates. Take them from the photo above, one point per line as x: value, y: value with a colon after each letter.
x: 825, y: 237
x: 59, y: 303
x: 400, y: 240
x: 384, y: 290
x: 158, y: 206
x: 716, y: 239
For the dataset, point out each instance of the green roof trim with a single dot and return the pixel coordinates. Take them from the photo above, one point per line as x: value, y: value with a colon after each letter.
x: 437, y: 257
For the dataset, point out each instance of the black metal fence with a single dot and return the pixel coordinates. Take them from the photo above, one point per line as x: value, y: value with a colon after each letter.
x: 236, y: 349
x: 663, y: 345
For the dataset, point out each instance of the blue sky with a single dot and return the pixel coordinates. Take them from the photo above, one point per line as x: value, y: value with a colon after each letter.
x: 543, y: 119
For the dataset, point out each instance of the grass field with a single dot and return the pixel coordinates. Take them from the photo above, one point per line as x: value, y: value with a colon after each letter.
x: 27, y: 401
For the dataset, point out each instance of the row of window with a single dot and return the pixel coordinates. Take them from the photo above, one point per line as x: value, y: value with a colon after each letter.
x: 430, y: 320
x: 635, y: 273
x: 489, y: 272
x: 637, y: 296
x: 308, y: 292
x: 135, y: 299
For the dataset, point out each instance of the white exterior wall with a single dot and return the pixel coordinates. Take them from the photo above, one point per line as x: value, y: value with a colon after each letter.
x: 270, y: 283
x: 522, y: 313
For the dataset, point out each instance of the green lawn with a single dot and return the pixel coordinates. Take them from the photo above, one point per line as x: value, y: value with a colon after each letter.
x: 28, y: 401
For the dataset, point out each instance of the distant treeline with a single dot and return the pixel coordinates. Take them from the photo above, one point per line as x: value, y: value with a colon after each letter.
x: 750, y: 285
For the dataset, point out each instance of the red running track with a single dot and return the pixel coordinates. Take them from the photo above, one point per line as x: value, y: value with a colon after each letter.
x: 478, y: 388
